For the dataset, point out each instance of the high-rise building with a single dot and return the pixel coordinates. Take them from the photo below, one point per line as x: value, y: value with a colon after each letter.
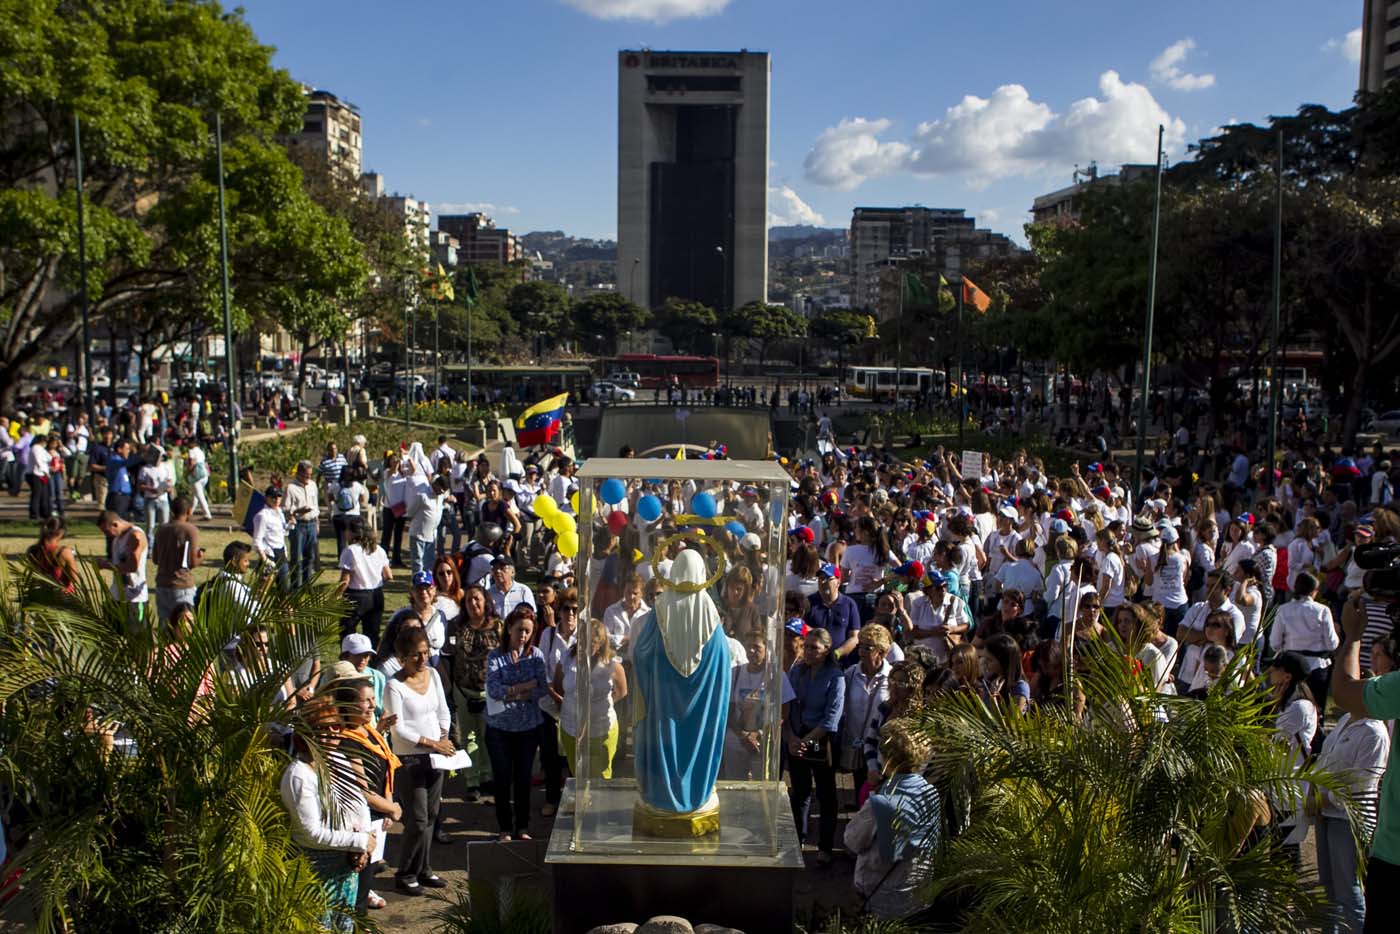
x: 692, y: 177
x: 882, y: 237
x: 1380, y: 44
x: 416, y: 214
x: 480, y: 240
x: 331, y: 127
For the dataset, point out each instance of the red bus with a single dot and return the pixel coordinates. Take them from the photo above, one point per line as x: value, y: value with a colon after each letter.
x: 654, y: 370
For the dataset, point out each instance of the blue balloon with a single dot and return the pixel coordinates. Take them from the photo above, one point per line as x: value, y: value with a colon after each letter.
x: 649, y: 508
x: 703, y: 505
x: 736, y: 528
x: 612, y: 491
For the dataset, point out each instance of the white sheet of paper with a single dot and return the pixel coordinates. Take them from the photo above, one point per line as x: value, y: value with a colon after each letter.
x: 458, y: 760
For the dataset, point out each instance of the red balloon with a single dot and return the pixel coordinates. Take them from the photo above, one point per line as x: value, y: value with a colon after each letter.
x: 617, y: 521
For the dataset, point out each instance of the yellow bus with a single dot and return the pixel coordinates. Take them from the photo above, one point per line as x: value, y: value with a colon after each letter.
x: 878, y: 382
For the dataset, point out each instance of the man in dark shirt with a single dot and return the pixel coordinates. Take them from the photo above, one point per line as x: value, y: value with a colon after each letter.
x: 835, y: 612
x: 177, y: 553
x: 97, y: 466
x: 119, y: 479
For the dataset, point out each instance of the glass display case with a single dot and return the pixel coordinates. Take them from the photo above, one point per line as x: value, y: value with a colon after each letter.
x: 679, y: 572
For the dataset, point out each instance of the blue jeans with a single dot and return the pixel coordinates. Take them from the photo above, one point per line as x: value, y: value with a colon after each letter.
x: 1336, y: 870
x: 167, y: 598
x: 421, y: 554
x: 302, y: 542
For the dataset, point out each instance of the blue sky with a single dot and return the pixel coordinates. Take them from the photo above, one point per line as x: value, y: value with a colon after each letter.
x: 983, y: 105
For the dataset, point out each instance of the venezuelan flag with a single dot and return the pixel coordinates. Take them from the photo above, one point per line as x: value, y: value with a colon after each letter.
x: 540, y: 422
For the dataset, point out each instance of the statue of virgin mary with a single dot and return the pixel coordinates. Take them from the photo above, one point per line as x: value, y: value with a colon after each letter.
x: 681, y: 666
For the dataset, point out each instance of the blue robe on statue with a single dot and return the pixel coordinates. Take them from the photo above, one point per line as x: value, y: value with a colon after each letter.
x: 679, y: 739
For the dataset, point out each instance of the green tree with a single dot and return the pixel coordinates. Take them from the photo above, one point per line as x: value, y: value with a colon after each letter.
x: 1136, y: 815
x: 184, y: 828
x: 763, y: 323
x: 688, y: 325
x: 146, y: 78
x: 540, y: 311
x: 602, y: 319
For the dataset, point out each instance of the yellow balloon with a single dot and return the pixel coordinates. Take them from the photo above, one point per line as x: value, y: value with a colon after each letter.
x: 568, y: 544
x: 566, y: 523
x: 545, y: 506
x: 573, y: 500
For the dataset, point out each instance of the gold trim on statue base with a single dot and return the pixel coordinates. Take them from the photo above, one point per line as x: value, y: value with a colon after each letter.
x: 647, y: 821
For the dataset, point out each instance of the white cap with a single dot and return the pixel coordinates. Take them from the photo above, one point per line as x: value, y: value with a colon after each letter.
x: 357, y: 643
x: 1170, y: 534
x: 750, y: 542
x: 1008, y: 512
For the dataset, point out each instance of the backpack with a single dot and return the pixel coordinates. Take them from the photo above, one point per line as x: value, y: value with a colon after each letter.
x: 345, y: 499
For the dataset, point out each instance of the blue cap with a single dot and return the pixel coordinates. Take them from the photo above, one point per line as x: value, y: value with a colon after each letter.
x: 829, y: 570
x: 796, y: 626
x: 936, y: 577
x: 423, y: 579
x: 1059, y: 527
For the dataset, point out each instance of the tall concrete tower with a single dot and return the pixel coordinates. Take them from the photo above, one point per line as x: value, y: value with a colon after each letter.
x: 692, y: 177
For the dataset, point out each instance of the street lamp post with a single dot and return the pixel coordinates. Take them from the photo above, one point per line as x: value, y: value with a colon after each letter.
x: 228, y: 315
x: 83, y: 377
x: 723, y: 281
x: 714, y: 336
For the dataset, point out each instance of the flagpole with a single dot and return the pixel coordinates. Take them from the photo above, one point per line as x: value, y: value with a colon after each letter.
x: 437, y: 353
x: 408, y: 366
x: 958, y: 394
x: 1143, y: 410
x: 1275, y: 371
x: 228, y: 317
x: 83, y: 378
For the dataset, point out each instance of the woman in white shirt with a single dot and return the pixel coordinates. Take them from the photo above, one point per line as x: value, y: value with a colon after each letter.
x: 337, y: 846
x: 415, y: 696
x: 1203, y: 552
x: 607, y: 684
x: 1236, y: 547
x: 1137, y: 627
x: 1302, y: 553
x: 864, y: 564
x: 1167, y: 578
x: 1296, y: 719
x: 1112, y: 573
x: 364, y: 570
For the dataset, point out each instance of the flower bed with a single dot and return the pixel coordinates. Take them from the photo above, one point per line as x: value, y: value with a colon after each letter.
x: 458, y: 414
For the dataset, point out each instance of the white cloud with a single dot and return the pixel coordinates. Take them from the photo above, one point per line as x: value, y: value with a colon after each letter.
x: 850, y: 152
x: 1007, y: 134
x: 786, y: 208
x: 1166, y: 68
x: 987, y: 216
x: 474, y: 207
x: 1349, y: 46
x: 425, y: 122
x: 656, y: 11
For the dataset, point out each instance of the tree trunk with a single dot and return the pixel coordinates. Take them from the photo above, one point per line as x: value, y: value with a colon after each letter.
x: 1356, y: 395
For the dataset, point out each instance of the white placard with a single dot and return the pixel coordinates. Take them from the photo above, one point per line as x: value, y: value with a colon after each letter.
x: 458, y: 760
x: 971, y: 465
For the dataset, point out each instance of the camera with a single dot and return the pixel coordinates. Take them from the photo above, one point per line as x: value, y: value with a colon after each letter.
x: 1381, y: 562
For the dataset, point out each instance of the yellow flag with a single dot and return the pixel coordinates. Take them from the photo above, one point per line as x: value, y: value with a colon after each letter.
x: 680, y: 454
x: 444, y: 285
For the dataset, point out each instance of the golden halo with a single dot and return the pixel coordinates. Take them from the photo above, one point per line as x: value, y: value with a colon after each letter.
x: 687, y: 536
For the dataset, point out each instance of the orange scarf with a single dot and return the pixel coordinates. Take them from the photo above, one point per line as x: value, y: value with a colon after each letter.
x: 370, y: 738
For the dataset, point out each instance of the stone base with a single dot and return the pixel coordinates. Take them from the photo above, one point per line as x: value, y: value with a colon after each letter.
x: 647, y: 821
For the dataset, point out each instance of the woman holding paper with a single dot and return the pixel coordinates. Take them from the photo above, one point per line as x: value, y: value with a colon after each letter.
x: 414, y: 694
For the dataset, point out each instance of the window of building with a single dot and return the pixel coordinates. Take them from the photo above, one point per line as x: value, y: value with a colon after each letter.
x: 679, y: 84
x: 312, y: 126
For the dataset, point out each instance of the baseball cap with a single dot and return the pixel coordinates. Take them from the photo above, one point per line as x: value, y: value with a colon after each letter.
x: 936, y: 578
x: 272, y: 492
x: 750, y: 491
x: 532, y: 468
x: 803, y: 532
x: 1008, y: 512
x: 357, y: 643
x: 510, y: 486
x: 503, y: 561
x: 796, y: 626
x: 1059, y: 527
x: 750, y: 542
x: 423, y: 579
x: 829, y: 570
x: 1170, y: 534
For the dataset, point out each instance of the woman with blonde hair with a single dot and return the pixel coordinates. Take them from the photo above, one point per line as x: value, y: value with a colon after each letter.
x: 899, y: 827
x: 607, y: 684
x: 1138, y: 627
x: 962, y: 661
x: 867, y: 687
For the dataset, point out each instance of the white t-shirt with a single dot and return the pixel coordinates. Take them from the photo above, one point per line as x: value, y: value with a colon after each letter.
x: 861, y: 569
x: 1111, y: 566
x: 1168, y: 581
x: 357, y: 492
x: 419, y: 714
x: 1145, y: 555
x: 366, y: 568
x: 601, y: 716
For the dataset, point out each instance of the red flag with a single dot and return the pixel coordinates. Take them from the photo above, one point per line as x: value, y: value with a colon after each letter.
x: 974, y: 296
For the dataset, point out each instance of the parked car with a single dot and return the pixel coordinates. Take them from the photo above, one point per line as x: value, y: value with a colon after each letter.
x: 1387, y: 423
x: 611, y: 392
x: 625, y: 379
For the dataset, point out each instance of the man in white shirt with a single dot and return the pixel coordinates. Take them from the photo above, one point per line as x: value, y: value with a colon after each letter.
x: 626, y: 613
x: 561, y: 485
x: 76, y: 438
x: 156, y: 480
x: 504, y: 592
x: 304, y: 511
x: 1305, y: 627
x: 36, y: 474
x: 1193, y: 624
x: 270, y: 536
x: 443, y: 450
x: 422, y: 528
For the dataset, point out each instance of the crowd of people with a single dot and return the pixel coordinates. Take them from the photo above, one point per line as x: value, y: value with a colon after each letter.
x: 901, y: 581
